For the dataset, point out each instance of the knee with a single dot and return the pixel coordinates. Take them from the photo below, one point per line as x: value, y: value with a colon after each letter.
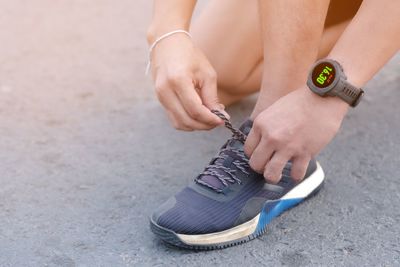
x: 230, y: 95
x: 236, y: 87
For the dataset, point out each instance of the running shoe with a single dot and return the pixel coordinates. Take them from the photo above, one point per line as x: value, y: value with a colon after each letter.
x: 229, y: 203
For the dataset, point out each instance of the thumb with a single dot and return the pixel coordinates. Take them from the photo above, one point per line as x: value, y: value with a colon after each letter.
x: 209, y: 96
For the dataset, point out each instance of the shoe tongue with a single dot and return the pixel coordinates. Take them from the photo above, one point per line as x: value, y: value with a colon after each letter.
x: 214, y: 181
x: 246, y: 126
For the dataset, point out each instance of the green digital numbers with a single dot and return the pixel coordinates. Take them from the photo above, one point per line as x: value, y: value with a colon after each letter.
x: 323, y: 75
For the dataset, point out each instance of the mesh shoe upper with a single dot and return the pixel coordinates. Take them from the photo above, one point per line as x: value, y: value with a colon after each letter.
x: 220, y: 201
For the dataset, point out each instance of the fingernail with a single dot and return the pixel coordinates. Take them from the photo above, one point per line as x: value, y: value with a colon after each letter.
x: 272, y: 180
x: 226, y: 114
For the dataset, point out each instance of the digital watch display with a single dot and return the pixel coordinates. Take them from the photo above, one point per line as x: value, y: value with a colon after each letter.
x: 323, y: 74
x: 327, y: 78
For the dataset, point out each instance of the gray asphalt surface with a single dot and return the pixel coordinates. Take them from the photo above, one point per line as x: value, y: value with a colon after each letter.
x: 86, y: 154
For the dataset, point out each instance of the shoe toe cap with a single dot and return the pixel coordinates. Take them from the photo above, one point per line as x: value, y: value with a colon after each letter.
x: 175, y: 217
x: 162, y: 210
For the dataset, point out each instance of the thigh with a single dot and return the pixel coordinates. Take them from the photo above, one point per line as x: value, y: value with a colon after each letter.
x: 228, y: 32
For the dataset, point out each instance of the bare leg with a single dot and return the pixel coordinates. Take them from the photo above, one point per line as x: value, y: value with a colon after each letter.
x: 229, y: 33
x: 292, y: 31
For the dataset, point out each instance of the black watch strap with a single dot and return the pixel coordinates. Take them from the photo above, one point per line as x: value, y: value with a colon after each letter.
x: 349, y: 93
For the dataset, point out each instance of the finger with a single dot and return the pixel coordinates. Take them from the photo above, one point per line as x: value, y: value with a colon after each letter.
x: 252, y: 140
x: 261, y: 156
x: 299, y: 167
x: 273, y: 169
x: 222, y: 110
x: 209, y: 94
x: 193, y: 105
x: 175, y: 123
x: 177, y: 114
x: 183, y: 121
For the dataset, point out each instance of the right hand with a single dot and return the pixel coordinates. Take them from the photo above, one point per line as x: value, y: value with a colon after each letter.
x: 186, y: 84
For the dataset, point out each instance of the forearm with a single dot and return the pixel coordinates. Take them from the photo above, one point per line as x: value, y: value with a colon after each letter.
x: 169, y: 15
x: 370, y: 40
x: 291, y: 32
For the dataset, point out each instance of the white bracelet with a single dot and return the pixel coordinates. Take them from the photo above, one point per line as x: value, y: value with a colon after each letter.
x: 159, y: 39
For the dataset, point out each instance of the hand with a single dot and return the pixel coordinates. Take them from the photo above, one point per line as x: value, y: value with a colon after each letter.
x: 186, y: 84
x: 296, y: 127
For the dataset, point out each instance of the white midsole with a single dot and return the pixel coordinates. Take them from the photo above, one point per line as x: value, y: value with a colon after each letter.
x: 301, y: 191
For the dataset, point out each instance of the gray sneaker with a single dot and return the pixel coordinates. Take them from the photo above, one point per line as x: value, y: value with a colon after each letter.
x: 228, y: 203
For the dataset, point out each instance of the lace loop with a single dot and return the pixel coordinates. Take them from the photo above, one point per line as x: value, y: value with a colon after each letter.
x: 226, y: 175
x: 236, y: 133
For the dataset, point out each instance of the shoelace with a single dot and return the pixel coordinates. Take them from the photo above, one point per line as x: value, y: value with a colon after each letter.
x: 236, y: 133
x: 224, y: 174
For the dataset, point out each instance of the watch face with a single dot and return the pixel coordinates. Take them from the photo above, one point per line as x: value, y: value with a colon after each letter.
x: 323, y: 75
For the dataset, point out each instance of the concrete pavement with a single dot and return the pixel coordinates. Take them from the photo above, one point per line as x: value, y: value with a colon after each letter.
x: 86, y: 154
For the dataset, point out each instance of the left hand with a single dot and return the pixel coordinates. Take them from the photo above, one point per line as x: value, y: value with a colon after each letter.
x: 296, y: 127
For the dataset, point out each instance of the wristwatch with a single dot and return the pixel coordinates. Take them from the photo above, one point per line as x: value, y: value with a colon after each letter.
x: 327, y: 78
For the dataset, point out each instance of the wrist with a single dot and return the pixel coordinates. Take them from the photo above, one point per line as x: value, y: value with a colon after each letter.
x: 335, y: 104
x: 155, y: 30
x: 354, y: 76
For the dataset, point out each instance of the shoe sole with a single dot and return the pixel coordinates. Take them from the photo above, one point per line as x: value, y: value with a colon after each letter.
x: 250, y: 229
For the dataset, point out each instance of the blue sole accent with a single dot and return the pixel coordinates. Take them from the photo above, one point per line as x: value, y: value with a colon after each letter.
x: 273, y: 209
